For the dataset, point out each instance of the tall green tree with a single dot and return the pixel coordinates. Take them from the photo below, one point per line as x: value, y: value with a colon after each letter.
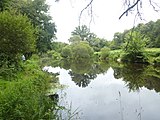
x: 36, y: 11
x: 17, y: 36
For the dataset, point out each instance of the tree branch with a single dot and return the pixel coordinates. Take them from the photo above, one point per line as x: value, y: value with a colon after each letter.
x: 89, y: 4
x: 129, y: 8
x: 154, y: 5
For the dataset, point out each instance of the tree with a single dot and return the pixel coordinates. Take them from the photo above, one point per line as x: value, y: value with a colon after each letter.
x: 104, y: 53
x: 98, y: 43
x: 17, y: 36
x: 81, y: 50
x: 75, y: 39
x: 82, y: 31
x: 36, y: 11
x: 58, y: 46
x: 66, y: 52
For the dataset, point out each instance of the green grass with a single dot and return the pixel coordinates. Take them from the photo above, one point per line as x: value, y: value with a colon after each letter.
x: 153, y: 54
x: 24, y: 96
x: 115, y: 54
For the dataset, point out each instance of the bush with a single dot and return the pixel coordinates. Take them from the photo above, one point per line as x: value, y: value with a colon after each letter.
x: 104, y: 53
x: 66, y: 52
x: 139, y: 57
x: 17, y: 36
x: 134, y: 48
x: 24, y: 98
x: 115, y: 55
x: 82, y: 50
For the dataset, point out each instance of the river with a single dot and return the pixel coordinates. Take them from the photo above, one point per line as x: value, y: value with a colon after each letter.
x: 111, y: 92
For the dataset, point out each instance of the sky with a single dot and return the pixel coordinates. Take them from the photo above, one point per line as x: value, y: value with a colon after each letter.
x: 65, y: 14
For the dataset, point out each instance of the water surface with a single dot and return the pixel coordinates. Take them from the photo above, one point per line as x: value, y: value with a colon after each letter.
x: 114, y: 92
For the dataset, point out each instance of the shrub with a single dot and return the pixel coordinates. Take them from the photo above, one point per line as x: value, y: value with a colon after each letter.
x: 82, y: 50
x: 66, y: 52
x: 25, y: 98
x: 17, y: 36
x: 104, y: 53
x: 134, y: 48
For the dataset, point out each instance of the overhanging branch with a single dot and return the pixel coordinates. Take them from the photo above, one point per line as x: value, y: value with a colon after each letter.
x: 129, y: 8
x: 89, y: 4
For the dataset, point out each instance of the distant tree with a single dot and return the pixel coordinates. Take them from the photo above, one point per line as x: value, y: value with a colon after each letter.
x: 81, y: 50
x: 84, y: 33
x: 104, y: 53
x: 118, y: 40
x: 75, y: 39
x: 98, y: 43
x: 58, y: 46
x: 66, y: 52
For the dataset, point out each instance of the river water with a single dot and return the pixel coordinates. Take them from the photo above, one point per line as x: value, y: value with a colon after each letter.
x: 113, y: 93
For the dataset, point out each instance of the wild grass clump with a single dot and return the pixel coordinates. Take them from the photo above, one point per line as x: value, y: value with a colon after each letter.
x: 115, y: 55
x: 24, y: 96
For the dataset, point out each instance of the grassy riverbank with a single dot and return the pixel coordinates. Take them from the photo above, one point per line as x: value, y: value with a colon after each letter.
x: 152, y: 55
x: 23, y: 93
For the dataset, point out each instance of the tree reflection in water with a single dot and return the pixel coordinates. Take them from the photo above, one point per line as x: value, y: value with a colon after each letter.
x: 84, y: 70
x: 139, y: 75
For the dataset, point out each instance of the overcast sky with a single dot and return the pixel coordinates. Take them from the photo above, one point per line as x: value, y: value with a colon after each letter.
x: 106, y: 13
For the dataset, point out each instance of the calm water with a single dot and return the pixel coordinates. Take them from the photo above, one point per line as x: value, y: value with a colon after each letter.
x: 112, y: 92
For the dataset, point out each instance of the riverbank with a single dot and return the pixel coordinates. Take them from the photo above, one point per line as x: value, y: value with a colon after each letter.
x: 152, y: 55
x: 23, y: 93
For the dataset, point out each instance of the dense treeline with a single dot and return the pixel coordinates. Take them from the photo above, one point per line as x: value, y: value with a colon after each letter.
x: 132, y: 43
x: 150, y: 31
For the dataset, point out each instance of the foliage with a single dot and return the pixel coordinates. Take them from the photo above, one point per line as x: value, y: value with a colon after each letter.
x: 114, y: 55
x: 58, y: 46
x: 25, y: 96
x: 81, y: 50
x: 17, y: 37
x: 36, y: 11
x: 118, y: 40
x: 104, y: 53
x: 77, y: 51
x: 97, y: 43
x: 53, y: 55
x: 50, y: 58
x: 67, y: 52
x: 134, y: 48
x: 75, y: 39
x: 83, y: 32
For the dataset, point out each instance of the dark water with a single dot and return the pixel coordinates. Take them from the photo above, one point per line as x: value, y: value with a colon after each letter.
x: 107, y: 91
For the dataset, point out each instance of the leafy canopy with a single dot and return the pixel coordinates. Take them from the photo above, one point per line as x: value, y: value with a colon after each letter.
x: 17, y: 34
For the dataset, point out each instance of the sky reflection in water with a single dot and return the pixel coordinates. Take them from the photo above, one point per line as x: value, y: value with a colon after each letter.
x: 107, y: 98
